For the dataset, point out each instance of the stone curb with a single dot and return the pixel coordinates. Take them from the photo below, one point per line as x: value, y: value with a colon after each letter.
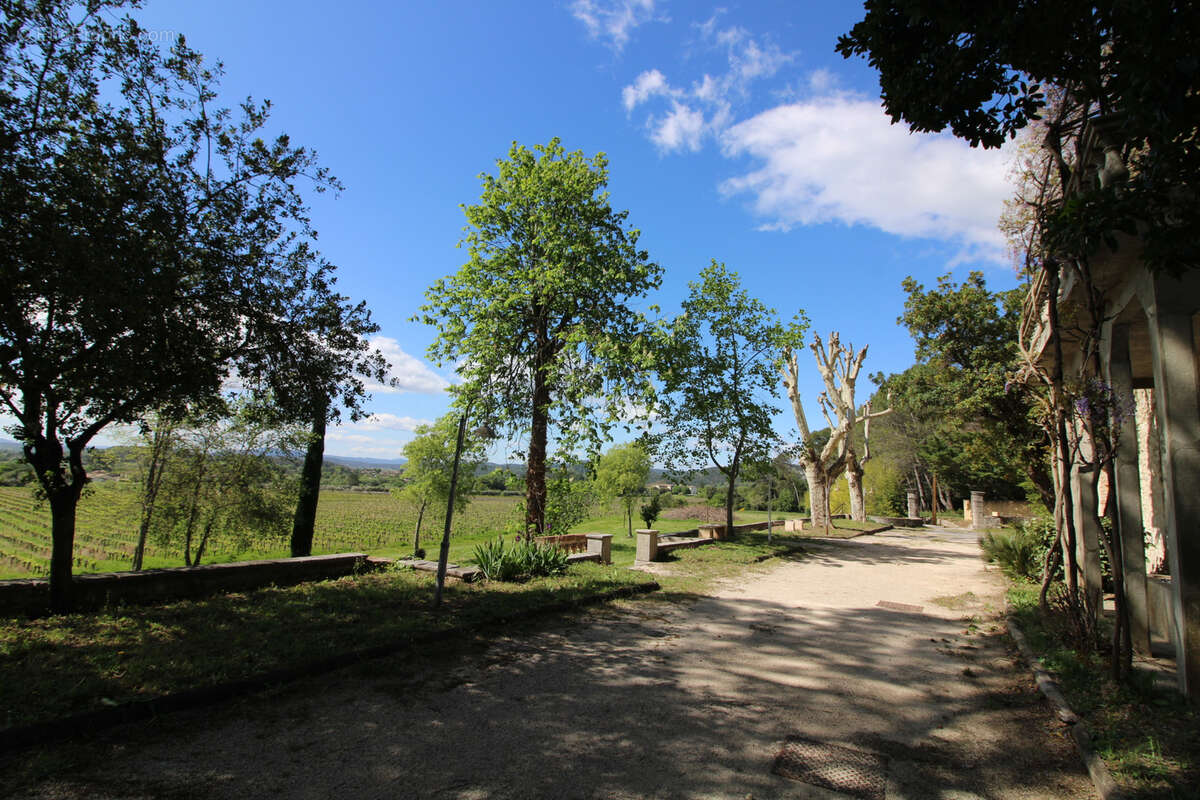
x: 139, y: 710
x: 1106, y: 787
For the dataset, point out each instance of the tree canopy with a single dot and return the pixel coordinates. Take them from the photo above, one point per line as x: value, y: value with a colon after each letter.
x: 153, y: 243
x: 540, y: 320
x: 719, y: 362
x: 957, y: 413
x: 621, y: 473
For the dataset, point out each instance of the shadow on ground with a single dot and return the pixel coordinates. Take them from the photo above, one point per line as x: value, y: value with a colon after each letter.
x: 662, y: 699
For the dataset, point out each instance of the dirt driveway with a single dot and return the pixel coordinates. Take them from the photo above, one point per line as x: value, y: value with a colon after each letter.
x: 871, y: 662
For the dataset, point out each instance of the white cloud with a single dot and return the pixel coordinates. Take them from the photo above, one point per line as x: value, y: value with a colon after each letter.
x: 411, y: 373
x: 682, y: 128
x: 822, y: 81
x: 706, y: 108
x: 391, y: 422
x: 613, y: 20
x: 648, y: 84
x: 838, y: 159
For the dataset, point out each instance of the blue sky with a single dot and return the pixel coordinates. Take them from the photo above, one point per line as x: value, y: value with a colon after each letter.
x: 734, y: 132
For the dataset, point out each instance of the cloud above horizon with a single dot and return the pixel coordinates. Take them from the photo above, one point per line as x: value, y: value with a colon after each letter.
x: 613, y: 21
x: 839, y: 159
x: 410, y: 373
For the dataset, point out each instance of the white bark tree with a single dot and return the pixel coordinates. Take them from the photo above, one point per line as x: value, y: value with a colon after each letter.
x: 839, y: 366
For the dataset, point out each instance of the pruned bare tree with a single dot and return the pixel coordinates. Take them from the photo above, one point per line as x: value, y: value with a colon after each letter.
x: 839, y: 366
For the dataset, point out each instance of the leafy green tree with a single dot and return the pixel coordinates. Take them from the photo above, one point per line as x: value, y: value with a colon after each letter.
x: 570, y: 498
x: 719, y: 362
x: 650, y: 511
x: 956, y: 405
x: 222, y: 481
x: 540, y: 319
x: 153, y: 242
x: 622, y: 473
x: 314, y: 368
x: 430, y: 462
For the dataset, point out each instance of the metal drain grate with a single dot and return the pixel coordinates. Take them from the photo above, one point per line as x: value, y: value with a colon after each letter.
x: 900, y: 606
x: 852, y: 772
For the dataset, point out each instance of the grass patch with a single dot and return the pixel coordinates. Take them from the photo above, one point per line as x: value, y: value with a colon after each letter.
x: 955, y: 602
x: 1148, y: 735
x: 55, y: 667
x: 695, y: 571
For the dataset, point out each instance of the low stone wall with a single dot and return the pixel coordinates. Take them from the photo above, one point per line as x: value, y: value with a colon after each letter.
x: 899, y: 522
x: 31, y: 597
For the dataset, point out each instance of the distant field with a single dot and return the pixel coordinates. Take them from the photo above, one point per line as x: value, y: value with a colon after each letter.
x: 106, y: 529
x: 371, y: 522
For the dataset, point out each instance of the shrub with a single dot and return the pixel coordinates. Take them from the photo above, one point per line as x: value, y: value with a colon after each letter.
x: 527, y: 559
x: 1021, y: 551
x: 649, y: 511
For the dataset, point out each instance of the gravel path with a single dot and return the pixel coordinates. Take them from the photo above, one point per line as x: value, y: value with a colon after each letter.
x: 663, y: 698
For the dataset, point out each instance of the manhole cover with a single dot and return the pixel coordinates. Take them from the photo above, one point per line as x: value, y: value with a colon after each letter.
x: 900, y: 606
x: 841, y: 769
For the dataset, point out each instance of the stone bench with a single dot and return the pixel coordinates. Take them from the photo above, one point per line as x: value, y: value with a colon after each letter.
x: 464, y: 574
x: 582, y: 546
x: 652, y: 547
x: 571, y: 542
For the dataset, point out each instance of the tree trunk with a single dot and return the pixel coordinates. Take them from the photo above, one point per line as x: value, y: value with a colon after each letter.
x: 417, y: 533
x: 730, y: 494
x: 62, y: 489
x: 63, y: 504
x: 854, y: 476
x: 159, y: 445
x: 305, y: 521
x: 203, y: 543
x: 535, y: 470
x: 818, y: 495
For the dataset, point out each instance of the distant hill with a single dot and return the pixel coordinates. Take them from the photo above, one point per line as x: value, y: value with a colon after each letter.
x: 10, y: 444
x: 366, y: 463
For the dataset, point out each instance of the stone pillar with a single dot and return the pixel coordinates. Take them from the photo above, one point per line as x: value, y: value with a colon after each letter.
x: 966, y: 510
x: 1130, y: 531
x: 1172, y: 344
x: 977, y: 516
x: 913, y: 511
x: 647, y: 545
x: 600, y: 543
x: 1145, y: 419
x: 1087, y: 532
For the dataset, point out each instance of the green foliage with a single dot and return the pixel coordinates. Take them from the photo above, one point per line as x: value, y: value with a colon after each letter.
x: 540, y: 316
x: 430, y: 462
x: 569, y: 501
x: 622, y: 474
x: 955, y: 412
x: 886, y: 494
x: 650, y: 511
x: 719, y: 364
x: 519, y: 561
x: 154, y: 242
x: 220, y: 483
x: 14, y: 470
x: 1021, y: 551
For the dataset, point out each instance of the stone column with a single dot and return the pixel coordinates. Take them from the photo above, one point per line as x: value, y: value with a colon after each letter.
x: 647, y: 544
x: 977, y: 517
x: 1128, y: 491
x: 966, y: 510
x: 1087, y: 532
x: 1172, y: 344
x: 600, y: 543
x: 913, y: 511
